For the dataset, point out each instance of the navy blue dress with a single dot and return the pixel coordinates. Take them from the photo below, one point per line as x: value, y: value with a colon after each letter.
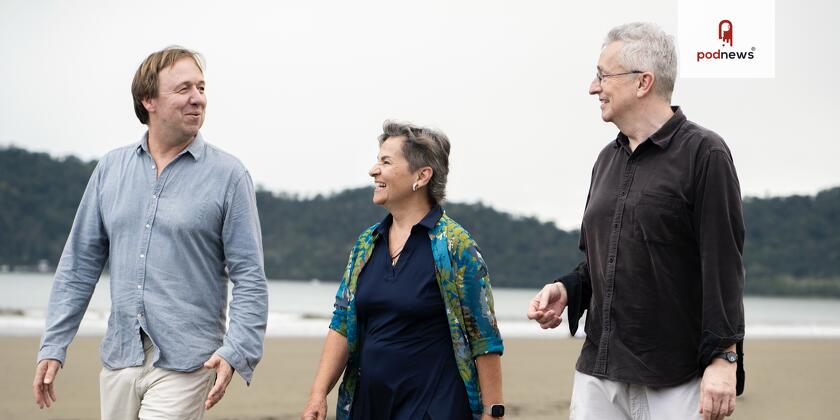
x: 408, y: 368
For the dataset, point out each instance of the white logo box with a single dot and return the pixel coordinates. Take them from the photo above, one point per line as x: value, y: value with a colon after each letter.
x: 703, y: 54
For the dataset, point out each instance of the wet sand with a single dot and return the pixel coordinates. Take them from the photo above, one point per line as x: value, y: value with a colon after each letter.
x: 786, y: 379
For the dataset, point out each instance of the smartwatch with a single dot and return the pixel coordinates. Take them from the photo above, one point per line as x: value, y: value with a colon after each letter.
x: 729, y: 356
x: 496, y: 410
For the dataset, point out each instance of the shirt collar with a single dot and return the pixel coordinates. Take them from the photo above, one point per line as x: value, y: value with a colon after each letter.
x: 429, y: 221
x: 661, y: 137
x: 195, y: 148
x: 432, y: 217
x: 143, y: 145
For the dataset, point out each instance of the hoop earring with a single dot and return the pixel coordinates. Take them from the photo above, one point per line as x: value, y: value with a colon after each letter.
x: 414, y: 187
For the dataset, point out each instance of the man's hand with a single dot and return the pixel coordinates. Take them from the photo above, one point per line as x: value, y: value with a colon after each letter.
x: 717, y: 390
x: 224, y: 373
x: 547, y: 306
x: 44, y: 385
x: 316, y: 408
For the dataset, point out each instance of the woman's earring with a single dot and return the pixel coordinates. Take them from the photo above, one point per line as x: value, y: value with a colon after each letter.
x: 414, y: 187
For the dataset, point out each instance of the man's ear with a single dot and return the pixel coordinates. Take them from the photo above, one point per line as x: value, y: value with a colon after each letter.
x: 645, y: 86
x: 149, y: 104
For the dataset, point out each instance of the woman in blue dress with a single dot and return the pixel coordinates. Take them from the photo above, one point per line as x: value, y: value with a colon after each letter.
x: 413, y: 328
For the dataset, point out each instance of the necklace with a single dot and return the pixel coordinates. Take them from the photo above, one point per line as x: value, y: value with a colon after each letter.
x: 395, y: 257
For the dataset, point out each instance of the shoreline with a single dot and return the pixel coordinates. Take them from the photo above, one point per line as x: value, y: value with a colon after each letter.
x: 20, y: 323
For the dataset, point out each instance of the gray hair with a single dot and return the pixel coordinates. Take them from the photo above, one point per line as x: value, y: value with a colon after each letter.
x: 423, y: 146
x: 647, y: 48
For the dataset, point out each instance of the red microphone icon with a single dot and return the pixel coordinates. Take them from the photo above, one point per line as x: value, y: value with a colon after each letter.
x: 725, y: 32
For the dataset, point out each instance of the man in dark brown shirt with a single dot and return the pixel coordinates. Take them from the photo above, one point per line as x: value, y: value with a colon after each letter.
x: 663, y: 233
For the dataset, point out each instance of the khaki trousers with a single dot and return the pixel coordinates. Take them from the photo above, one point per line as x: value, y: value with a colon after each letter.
x: 601, y: 399
x: 150, y: 393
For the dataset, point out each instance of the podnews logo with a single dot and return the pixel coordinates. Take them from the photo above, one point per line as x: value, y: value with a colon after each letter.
x: 726, y: 39
x: 725, y: 35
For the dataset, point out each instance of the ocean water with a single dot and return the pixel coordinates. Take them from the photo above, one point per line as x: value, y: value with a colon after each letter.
x: 303, y: 309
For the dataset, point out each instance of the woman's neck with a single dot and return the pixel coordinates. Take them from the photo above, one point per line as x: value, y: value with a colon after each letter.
x: 405, y: 217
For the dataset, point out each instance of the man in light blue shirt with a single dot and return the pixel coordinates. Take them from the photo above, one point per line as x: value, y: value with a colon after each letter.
x: 175, y: 217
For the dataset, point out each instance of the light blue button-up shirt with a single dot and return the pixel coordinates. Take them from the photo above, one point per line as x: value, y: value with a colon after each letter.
x: 172, y: 243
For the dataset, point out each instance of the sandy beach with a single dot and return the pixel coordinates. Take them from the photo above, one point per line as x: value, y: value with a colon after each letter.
x: 786, y: 379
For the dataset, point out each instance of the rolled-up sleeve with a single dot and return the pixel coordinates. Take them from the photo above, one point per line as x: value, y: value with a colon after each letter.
x: 77, y: 273
x: 338, y: 323
x: 720, y: 231
x: 242, y: 240
x: 477, y: 305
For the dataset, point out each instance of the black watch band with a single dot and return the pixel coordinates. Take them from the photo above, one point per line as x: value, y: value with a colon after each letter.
x: 729, y: 356
x: 496, y: 410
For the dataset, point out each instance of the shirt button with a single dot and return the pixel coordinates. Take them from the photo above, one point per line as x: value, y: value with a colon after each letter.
x: 139, y: 315
x: 139, y: 286
x: 154, y: 195
x: 147, y: 225
x: 611, y: 259
x: 142, y: 255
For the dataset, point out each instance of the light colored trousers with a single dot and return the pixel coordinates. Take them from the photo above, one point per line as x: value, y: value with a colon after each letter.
x: 601, y: 399
x: 150, y: 393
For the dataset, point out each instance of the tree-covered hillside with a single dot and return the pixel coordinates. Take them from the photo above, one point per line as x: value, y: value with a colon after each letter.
x: 311, y: 238
x: 792, y: 247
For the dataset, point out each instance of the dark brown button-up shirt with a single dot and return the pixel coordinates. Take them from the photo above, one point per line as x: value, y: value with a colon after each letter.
x: 663, y: 280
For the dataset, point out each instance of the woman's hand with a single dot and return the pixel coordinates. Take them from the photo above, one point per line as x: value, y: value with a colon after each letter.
x: 333, y: 360
x: 316, y: 408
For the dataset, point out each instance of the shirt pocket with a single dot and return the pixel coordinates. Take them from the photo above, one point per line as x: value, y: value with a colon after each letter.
x: 662, y: 219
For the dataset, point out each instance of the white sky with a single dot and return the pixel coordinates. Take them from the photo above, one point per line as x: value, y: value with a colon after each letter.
x: 298, y: 90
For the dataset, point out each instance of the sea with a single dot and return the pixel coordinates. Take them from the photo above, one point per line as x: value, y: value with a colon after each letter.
x: 303, y: 309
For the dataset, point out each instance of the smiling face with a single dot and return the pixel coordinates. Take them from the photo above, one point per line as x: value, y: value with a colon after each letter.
x: 616, y: 94
x: 392, y: 175
x: 177, y: 112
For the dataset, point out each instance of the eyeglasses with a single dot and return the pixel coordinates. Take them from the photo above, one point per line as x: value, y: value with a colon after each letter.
x: 601, y: 76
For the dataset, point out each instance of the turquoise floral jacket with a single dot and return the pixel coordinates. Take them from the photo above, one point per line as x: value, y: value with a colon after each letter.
x: 465, y: 287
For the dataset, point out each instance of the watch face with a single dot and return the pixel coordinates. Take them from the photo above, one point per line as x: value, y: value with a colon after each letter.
x: 732, y: 357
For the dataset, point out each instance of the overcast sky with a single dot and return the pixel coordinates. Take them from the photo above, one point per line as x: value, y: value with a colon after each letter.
x: 298, y: 90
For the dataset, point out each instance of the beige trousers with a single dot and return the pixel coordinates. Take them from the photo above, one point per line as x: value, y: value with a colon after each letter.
x: 595, y: 398
x: 150, y: 393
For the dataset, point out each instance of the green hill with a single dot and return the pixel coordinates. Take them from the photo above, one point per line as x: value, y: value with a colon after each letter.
x: 38, y: 199
x: 521, y: 252
x: 792, y: 247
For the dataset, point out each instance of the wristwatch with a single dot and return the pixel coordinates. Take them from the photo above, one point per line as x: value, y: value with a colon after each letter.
x: 496, y: 410
x: 729, y: 356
